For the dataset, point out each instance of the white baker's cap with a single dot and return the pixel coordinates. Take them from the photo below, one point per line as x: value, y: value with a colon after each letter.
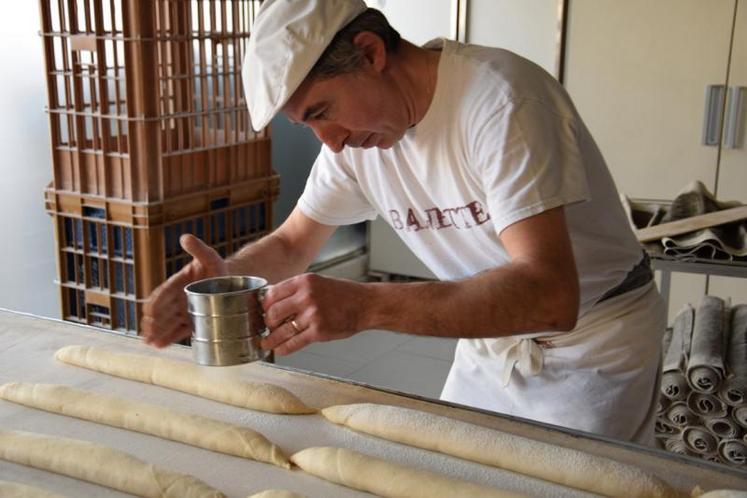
x: 287, y: 39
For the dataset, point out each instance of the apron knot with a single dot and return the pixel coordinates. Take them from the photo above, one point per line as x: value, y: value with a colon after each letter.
x: 523, y: 354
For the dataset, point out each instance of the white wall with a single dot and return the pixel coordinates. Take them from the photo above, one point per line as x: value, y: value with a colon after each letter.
x: 27, y: 266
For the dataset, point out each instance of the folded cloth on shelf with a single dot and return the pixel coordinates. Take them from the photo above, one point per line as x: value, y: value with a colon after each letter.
x: 733, y: 451
x: 705, y: 367
x: 700, y: 440
x: 723, y: 242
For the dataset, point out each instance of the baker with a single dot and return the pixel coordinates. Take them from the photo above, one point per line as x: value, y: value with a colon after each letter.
x: 479, y: 161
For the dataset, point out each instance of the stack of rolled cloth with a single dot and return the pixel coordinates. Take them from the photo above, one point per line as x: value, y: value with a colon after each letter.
x: 727, y: 242
x: 702, y: 409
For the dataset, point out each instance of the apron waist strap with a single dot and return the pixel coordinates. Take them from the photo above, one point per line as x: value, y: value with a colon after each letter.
x: 640, y: 275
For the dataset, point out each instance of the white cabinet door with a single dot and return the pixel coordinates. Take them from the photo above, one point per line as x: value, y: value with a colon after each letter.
x: 637, y: 71
x: 732, y: 178
x: 418, y: 21
x: 531, y: 28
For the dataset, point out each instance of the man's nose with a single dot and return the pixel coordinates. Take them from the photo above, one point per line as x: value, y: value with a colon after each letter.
x: 331, y: 135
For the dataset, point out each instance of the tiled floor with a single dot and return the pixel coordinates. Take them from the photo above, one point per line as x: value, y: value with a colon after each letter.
x: 415, y: 365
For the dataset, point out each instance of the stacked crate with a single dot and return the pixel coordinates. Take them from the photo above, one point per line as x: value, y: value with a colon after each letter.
x: 151, y: 139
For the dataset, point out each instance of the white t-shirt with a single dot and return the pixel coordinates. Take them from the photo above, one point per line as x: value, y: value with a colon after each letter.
x: 500, y: 142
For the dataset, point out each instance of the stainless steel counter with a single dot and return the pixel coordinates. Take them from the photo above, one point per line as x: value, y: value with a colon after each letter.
x: 27, y: 346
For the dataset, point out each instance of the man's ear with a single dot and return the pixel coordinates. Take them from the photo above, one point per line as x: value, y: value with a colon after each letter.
x: 373, y: 48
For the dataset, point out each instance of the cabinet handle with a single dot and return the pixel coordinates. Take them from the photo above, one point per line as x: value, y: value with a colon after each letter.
x: 714, y: 101
x: 733, y: 125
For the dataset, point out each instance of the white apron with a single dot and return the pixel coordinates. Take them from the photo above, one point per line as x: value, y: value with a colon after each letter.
x: 601, y: 377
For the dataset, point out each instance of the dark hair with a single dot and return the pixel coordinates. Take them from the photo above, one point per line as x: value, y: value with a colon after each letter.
x: 343, y: 56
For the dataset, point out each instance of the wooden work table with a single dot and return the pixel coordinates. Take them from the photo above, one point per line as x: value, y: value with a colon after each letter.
x: 28, y: 343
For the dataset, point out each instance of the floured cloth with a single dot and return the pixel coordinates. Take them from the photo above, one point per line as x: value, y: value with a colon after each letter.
x: 705, y: 367
x: 674, y: 385
x: 734, y: 391
x: 602, y: 377
x: 726, y: 242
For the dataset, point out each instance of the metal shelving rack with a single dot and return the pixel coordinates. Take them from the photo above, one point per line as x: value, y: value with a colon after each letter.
x: 667, y: 266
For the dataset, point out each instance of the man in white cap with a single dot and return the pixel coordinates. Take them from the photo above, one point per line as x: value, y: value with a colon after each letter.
x: 479, y: 161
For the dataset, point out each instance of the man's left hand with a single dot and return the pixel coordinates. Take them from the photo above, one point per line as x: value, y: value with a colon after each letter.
x: 311, y: 308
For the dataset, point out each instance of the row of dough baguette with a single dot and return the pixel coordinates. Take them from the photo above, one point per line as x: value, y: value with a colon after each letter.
x: 112, y: 468
x: 101, y: 465
x: 553, y: 463
x: 147, y: 418
x: 185, y: 377
x: 573, y: 468
x: 17, y: 490
x: 557, y: 464
x: 213, y: 434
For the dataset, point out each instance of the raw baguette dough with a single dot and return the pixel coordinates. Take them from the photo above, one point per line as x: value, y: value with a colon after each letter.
x: 100, y: 464
x: 185, y: 377
x: 365, y: 473
x: 534, y: 458
x: 17, y: 490
x: 276, y: 493
x: 147, y: 418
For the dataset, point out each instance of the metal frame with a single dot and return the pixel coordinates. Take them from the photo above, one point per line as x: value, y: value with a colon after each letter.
x: 702, y: 267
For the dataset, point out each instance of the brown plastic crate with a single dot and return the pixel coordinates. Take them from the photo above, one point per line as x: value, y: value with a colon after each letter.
x: 145, y: 97
x: 112, y: 254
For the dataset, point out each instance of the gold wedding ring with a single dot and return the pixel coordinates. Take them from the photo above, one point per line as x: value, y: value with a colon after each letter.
x: 295, y: 326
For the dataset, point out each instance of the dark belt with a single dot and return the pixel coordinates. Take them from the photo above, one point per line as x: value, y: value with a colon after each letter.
x: 640, y: 275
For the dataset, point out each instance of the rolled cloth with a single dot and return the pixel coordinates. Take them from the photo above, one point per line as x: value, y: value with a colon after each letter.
x: 706, y: 405
x: 680, y: 415
x: 666, y: 340
x: 662, y: 405
x: 664, y: 427
x: 676, y: 444
x: 713, y: 457
x: 705, y: 368
x: 723, y: 427
x: 740, y: 415
x: 674, y: 385
x: 733, y: 451
x: 699, y: 440
x: 734, y: 390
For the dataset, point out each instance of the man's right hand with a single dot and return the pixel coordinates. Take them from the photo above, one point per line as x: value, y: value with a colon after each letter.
x: 165, y: 318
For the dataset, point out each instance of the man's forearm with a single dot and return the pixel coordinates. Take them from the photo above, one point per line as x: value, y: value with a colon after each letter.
x: 509, y: 300
x: 271, y: 257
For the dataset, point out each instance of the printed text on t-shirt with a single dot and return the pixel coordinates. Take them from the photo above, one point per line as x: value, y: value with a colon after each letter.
x: 435, y: 218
